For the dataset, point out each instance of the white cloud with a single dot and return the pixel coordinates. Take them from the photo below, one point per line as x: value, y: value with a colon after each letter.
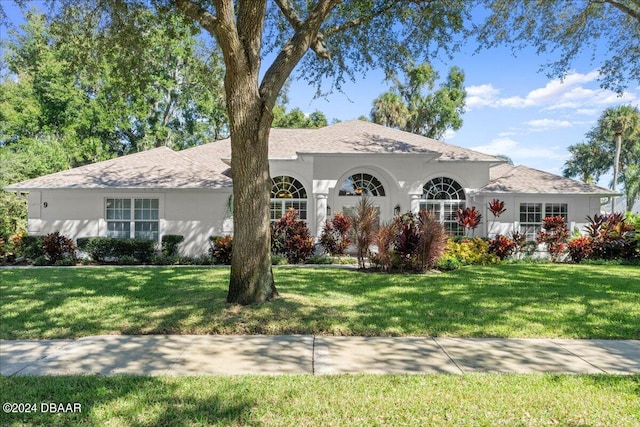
x: 520, y: 153
x: 541, y: 125
x: 569, y: 93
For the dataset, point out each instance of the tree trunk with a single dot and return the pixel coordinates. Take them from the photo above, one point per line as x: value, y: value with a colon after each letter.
x: 251, y: 278
x: 616, y: 167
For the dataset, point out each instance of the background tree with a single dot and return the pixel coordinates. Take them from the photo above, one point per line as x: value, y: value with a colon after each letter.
x: 407, y: 107
x: 597, y: 155
x: 608, y: 30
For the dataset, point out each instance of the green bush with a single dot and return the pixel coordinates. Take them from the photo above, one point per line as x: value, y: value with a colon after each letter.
x: 170, y: 244
x: 448, y: 263
x: 29, y: 247
x: 277, y: 259
x: 102, y: 249
x: 319, y: 259
x: 471, y: 252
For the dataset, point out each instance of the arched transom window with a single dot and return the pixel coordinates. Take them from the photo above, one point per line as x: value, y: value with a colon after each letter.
x: 444, y: 196
x: 287, y: 192
x: 362, y: 184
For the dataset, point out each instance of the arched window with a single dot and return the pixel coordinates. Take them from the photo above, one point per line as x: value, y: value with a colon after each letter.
x: 362, y: 184
x: 287, y: 192
x: 444, y: 196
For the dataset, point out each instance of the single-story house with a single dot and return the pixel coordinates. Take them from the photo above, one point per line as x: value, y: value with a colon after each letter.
x: 317, y: 171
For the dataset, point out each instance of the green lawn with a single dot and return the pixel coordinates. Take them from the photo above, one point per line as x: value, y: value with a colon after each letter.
x: 513, y: 300
x: 359, y: 400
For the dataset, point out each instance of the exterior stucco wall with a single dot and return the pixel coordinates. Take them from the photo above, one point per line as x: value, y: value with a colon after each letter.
x: 195, y: 214
x: 578, y: 208
x: 402, y: 176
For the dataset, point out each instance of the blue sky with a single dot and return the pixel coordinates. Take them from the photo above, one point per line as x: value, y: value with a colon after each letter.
x: 513, y: 108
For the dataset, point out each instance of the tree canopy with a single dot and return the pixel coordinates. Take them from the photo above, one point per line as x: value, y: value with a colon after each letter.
x: 562, y: 30
x: 407, y: 107
x: 595, y: 157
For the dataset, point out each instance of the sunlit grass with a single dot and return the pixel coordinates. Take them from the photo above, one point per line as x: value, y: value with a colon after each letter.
x: 540, y: 300
x: 358, y: 400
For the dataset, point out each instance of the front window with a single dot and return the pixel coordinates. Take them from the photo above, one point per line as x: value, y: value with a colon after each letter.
x: 287, y: 193
x: 444, y: 196
x: 132, y: 218
x: 530, y: 219
x: 362, y: 184
x: 556, y: 209
x: 531, y: 216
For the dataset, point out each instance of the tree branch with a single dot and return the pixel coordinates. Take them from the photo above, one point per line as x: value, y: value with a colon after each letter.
x: 198, y: 13
x: 623, y: 8
x: 296, y: 23
x: 306, y: 35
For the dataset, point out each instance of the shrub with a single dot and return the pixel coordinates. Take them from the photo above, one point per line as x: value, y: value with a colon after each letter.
x: 319, y: 259
x: 410, y: 241
x: 613, y: 237
x: 58, y: 247
x: 580, y: 249
x: 29, y: 247
x: 221, y: 249
x: 519, y: 242
x: 501, y: 246
x: 290, y: 237
x: 433, y: 240
x: 448, y: 263
x: 277, y: 259
x: 169, y: 244
x: 364, y: 225
x: 554, y: 235
x: 334, y: 239
x: 102, y: 249
x: 471, y: 252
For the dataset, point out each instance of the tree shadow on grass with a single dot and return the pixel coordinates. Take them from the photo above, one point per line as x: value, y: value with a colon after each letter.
x: 130, y: 400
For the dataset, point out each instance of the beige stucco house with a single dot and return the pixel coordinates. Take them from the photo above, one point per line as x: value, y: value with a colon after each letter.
x: 317, y: 171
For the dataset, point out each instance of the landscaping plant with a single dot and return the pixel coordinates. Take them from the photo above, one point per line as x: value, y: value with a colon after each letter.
x: 496, y: 207
x: 554, y: 236
x: 221, y: 249
x: 613, y: 237
x: 169, y: 244
x: 468, y: 218
x: 501, y: 246
x: 334, y: 239
x: 364, y: 225
x: 58, y: 247
x: 290, y: 237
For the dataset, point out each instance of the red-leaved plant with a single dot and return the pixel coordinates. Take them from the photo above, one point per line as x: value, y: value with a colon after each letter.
x: 469, y: 218
x: 290, y: 237
x: 554, y: 235
x: 335, y: 235
x: 497, y: 207
x: 501, y: 246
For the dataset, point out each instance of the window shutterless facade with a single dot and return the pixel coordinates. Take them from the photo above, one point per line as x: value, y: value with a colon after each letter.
x: 444, y: 196
x: 287, y: 193
x: 531, y: 216
x: 132, y: 218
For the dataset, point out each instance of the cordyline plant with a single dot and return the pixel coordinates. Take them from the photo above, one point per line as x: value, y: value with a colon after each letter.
x: 335, y: 235
x: 469, y: 218
x: 496, y: 207
x: 554, y: 235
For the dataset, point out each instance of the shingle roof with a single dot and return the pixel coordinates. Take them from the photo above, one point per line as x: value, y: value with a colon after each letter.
x: 505, y: 178
x: 156, y: 168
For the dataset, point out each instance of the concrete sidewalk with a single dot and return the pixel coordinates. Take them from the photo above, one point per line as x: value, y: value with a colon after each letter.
x: 307, y: 354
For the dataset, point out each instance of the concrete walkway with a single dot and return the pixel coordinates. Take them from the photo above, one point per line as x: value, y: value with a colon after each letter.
x: 307, y: 354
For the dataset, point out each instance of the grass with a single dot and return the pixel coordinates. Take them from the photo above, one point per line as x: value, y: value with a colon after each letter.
x: 515, y: 300
x: 360, y: 400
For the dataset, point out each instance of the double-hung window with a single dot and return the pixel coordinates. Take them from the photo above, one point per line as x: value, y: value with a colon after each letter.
x: 132, y: 218
x: 531, y: 216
